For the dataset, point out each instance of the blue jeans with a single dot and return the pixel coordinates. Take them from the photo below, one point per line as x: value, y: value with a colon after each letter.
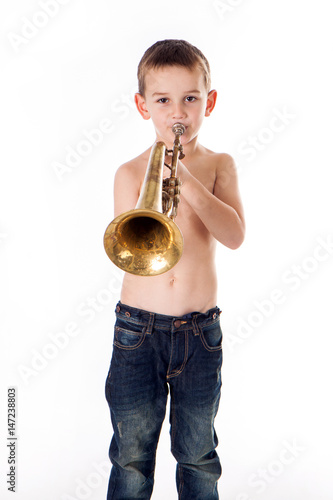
x: 152, y: 354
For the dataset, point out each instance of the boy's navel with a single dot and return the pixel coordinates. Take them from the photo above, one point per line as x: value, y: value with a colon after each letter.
x: 172, y: 281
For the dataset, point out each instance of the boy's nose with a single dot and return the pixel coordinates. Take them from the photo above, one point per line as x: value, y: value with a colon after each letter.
x: 178, y: 112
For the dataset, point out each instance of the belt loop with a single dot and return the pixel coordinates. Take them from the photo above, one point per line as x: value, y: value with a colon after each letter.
x: 150, y: 323
x: 195, y: 326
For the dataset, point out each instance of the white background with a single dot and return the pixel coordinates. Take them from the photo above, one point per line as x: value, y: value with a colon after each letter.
x: 62, y: 74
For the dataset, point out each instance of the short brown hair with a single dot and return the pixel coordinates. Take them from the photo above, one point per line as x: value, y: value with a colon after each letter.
x: 172, y: 53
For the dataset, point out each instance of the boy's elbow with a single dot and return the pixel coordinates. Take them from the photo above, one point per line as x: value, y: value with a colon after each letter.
x: 237, y: 238
x: 236, y: 243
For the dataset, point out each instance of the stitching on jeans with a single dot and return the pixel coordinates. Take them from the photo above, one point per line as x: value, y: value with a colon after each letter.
x: 150, y: 324
x: 172, y: 418
x: 196, y: 328
x: 179, y: 371
x: 130, y: 320
x: 173, y: 431
x: 181, y: 481
x: 204, y: 343
x: 130, y: 348
x: 170, y: 360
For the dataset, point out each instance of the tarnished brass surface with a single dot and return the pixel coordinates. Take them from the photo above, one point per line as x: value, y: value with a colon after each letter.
x: 146, y: 241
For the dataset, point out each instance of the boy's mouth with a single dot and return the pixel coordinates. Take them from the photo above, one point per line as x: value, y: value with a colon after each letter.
x: 186, y: 126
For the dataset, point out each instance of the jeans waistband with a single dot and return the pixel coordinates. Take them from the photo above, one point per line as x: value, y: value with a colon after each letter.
x: 163, y: 321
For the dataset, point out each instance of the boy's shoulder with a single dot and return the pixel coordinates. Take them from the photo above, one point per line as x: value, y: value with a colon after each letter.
x: 133, y: 168
x: 220, y: 164
x: 221, y: 161
x: 135, y: 163
x: 218, y: 156
x: 223, y: 168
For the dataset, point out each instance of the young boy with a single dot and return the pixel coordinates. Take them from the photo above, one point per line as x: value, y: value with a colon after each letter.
x: 167, y: 334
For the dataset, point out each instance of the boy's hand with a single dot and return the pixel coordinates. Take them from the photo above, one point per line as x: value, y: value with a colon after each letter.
x: 181, y: 172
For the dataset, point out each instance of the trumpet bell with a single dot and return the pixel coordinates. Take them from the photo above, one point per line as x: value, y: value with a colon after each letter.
x: 143, y: 242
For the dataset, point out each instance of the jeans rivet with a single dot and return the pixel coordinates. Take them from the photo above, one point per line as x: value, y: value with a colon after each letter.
x: 127, y: 314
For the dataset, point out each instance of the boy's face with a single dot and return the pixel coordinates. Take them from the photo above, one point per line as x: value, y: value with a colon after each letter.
x: 175, y: 94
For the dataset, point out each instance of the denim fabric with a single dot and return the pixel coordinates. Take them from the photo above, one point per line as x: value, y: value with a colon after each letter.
x: 154, y: 354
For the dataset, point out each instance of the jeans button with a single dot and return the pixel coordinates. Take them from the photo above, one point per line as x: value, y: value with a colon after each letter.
x: 118, y: 309
x: 177, y: 323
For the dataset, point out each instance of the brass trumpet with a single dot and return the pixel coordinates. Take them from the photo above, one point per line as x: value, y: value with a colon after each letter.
x: 146, y: 241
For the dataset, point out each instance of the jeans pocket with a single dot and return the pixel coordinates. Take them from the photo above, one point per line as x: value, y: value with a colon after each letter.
x: 128, y: 335
x: 211, y: 336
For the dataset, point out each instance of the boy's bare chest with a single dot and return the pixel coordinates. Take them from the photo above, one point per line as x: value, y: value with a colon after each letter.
x: 187, y: 219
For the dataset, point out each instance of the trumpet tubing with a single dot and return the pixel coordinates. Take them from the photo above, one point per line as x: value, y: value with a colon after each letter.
x: 146, y: 241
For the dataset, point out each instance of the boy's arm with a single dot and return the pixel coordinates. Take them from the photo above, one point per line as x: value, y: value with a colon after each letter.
x: 221, y: 212
x: 126, y: 189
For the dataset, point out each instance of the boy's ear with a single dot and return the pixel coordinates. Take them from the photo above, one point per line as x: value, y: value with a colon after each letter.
x: 141, y: 106
x: 211, y: 101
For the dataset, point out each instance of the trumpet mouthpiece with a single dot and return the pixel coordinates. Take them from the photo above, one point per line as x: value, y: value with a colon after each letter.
x: 178, y: 128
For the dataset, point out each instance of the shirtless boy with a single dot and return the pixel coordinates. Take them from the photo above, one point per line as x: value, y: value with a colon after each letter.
x: 167, y: 335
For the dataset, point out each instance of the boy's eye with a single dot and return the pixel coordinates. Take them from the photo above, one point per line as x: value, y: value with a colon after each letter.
x: 190, y: 98
x: 163, y: 100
